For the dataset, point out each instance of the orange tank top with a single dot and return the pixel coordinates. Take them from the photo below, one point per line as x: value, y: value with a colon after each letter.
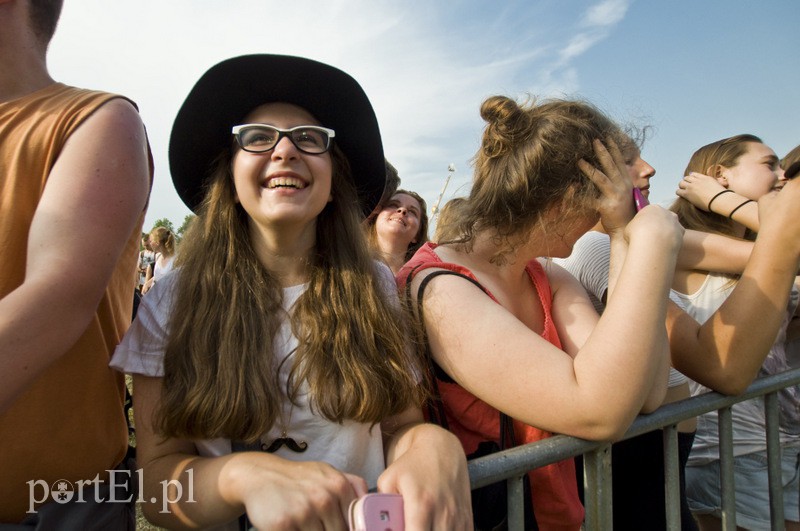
x: 69, y: 424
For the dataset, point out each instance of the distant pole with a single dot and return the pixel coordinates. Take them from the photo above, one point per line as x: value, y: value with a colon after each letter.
x: 435, y: 208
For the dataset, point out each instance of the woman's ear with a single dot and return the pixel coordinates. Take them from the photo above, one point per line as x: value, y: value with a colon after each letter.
x: 718, y: 171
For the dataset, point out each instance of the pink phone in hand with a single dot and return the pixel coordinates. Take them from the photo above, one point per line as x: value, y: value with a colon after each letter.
x: 639, y: 200
x: 377, y: 512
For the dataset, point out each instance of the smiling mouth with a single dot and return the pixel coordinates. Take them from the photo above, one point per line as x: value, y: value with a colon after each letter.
x: 285, y: 182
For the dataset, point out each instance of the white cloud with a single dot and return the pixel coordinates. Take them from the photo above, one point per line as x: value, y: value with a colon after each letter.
x: 425, y: 66
x: 606, y: 13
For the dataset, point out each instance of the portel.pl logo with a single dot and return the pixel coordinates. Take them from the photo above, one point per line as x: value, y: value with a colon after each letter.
x: 89, y: 490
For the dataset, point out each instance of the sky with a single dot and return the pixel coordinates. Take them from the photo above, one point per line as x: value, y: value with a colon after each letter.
x: 692, y: 71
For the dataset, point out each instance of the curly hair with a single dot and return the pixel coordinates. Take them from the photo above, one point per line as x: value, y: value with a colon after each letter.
x: 528, y: 163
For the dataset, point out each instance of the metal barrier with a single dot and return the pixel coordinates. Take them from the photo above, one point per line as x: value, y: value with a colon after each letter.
x: 512, y: 464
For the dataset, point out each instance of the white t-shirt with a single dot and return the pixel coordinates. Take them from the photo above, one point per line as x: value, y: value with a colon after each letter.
x: 350, y: 447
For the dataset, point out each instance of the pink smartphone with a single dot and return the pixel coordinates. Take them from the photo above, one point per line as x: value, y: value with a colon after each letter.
x: 377, y: 512
x: 639, y: 200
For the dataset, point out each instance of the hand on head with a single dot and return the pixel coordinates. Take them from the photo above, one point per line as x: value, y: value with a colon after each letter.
x: 699, y: 189
x: 615, y: 204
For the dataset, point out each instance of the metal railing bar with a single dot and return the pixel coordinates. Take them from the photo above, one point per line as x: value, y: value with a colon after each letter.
x: 516, y: 504
x: 725, y: 423
x: 515, y: 461
x: 774, y: 462
x: 672, y: 478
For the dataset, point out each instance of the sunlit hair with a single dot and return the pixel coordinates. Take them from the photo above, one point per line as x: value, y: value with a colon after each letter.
x: 422, y: 231
x: 709, y: 160
x: 44, y: 16
x: 165, y: 239
x: 447, y: 221
x: 220, y: 377
x: 527, y: 165
x: 790, y: 158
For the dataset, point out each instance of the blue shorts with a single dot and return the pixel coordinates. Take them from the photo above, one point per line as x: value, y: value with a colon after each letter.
x: 752, y: 488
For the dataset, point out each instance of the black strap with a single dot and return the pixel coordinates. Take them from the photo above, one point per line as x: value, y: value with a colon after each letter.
x: 506, y: 438
x: 435, y: 405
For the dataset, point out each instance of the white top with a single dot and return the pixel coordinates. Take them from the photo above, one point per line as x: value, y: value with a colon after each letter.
x: 350, y: 447
x: 159, y: 269
x: 749, y: 422
x: 590, y: 262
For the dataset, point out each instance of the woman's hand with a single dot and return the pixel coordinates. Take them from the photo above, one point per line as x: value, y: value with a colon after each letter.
x: 699, y: 189
x: 429, y: 469
x: 616, y: 200
x: 656, y: 224
x: 147, y: 285
x: 281, y: 494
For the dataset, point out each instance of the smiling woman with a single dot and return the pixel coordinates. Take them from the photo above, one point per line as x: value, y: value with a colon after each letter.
x: 399, y: 229
x: 280, y: 316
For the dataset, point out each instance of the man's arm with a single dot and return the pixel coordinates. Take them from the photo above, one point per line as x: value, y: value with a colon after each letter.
x: 94, y: 196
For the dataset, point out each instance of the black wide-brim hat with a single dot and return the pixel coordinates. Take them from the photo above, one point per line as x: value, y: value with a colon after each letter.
x: 228, y: 91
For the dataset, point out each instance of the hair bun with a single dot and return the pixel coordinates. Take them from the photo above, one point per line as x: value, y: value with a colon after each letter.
x: 507, y: 125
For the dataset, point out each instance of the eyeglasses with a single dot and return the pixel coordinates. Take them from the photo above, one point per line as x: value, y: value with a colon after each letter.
x: 259, y: 138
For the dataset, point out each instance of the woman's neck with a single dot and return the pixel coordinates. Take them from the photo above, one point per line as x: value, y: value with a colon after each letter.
x: 286, y: 254
x: 485, y: 256
x: 393, y: 252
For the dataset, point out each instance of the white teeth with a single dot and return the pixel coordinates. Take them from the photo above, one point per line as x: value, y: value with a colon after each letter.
x: 285, y: 182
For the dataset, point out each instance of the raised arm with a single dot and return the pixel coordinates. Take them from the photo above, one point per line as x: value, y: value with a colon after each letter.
x: 726, y: 352
x: 708, y: 195
x: 93, y: 201
x: 704, y: 251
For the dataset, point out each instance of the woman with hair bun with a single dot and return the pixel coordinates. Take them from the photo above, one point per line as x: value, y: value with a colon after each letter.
x: 510, y: 332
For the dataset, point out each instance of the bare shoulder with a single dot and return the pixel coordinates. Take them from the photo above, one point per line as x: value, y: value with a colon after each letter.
x: 118, y: 121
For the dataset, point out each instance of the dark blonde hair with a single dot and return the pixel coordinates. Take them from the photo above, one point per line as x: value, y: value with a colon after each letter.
x: 709, y: 159
x: 790, y: 158
x: 528, y: 163
x: 165, y: 239
x: 219, y: 368
x: 448, y: 221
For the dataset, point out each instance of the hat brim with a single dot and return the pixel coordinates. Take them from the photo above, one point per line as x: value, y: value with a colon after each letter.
x: 228, y: 91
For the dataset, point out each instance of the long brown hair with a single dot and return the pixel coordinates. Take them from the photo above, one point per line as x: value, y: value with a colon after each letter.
x: 220, y: 377
x: 708, y: 159
x: 528, y: 164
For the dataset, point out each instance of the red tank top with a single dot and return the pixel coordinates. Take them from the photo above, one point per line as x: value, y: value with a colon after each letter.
x: 554, y: 490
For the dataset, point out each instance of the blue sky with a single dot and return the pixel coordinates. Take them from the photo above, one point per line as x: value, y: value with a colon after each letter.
x: 693, y: 70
